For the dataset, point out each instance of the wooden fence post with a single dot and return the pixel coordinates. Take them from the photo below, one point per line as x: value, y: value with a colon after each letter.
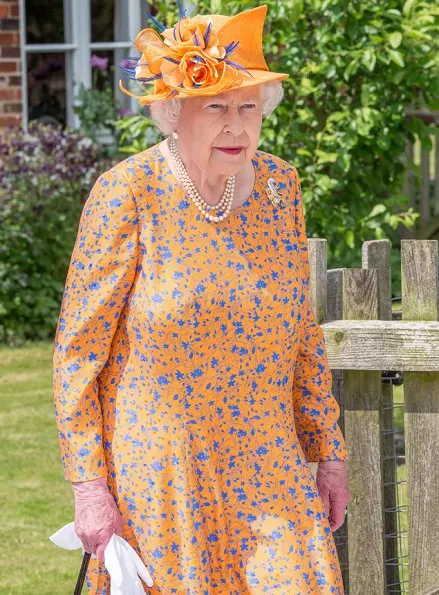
x: 335, y: 312
x: 420, y: 278
x: 363, y: 431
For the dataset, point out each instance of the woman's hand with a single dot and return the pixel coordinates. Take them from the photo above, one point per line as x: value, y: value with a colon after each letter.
x: 332, y: 481
x: 96, y: 515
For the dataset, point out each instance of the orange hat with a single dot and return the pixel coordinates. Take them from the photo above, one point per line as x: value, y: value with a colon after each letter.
x: 202, y: 55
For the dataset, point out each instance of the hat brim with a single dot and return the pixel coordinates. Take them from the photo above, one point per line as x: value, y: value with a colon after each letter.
x: 258, y: 78
x: 261, y: 76
x: 244, y: 80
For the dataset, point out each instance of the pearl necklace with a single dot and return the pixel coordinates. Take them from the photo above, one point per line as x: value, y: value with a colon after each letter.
x: 189, y: 186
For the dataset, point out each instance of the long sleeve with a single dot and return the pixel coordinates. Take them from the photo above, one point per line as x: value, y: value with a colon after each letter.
x: 316, y: 410
x: 99, y: 278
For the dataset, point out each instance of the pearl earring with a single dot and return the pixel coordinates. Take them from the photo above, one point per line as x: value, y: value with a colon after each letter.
x: 175, y: 135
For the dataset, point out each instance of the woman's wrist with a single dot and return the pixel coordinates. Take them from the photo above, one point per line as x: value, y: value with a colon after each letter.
x: 90, y: 490
x: 333, y: 465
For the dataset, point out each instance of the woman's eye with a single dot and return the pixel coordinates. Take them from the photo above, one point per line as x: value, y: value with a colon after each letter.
x: 219, y: 106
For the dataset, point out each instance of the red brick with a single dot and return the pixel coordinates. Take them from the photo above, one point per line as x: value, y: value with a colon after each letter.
x: 14, y: 11
x: 10, y: 52
x: 12, y: 93
x: 4, y: 10
x: 7, y: 94
x: 8, y: 39
x: 9, y: 121
x: 10, y: 66
x: 15, y: 81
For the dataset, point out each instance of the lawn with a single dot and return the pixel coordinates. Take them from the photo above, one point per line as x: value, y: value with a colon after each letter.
x: 401, y: 476
x: 35, y: 499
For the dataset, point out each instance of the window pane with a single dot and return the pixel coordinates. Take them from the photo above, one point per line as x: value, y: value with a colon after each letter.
x: 103, y: 20
x: 106, y: 72
x: 44, y: 21
x: 47, y: 87
x: 102, y: 63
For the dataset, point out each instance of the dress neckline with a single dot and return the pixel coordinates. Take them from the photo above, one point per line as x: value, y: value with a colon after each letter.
x: 247, y: 204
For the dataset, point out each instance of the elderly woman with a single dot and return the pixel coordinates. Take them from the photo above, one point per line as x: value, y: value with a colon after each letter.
x: 191, y: 379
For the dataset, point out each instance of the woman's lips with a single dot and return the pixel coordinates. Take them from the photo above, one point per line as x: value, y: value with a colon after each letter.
x: 230, y: 151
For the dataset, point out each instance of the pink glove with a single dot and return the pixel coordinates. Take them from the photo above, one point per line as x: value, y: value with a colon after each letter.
x: 332, y: 481
x: 96, y: 515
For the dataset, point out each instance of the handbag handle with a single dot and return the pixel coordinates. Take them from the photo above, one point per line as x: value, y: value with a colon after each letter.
x: 82, y: 572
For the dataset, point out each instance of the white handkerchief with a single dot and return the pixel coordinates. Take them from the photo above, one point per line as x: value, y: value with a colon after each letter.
x: 66, y: 537
x: 121, y: 560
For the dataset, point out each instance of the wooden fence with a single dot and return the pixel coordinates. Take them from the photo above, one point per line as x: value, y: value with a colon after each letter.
x: 364, y: 344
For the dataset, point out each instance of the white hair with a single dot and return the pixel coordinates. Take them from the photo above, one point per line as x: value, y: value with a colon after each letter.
x: 165, y: 114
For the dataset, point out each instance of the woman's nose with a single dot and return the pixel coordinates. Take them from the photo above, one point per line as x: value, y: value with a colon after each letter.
x: 234, y: 121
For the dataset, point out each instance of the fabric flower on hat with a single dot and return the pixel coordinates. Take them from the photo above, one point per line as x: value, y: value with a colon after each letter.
x: 195, y: 31
x: 190, y: 57
x: 196, y: 69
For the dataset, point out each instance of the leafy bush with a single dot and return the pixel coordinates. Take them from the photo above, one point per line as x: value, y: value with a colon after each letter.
x: 355, y: 67
x: 45, y: 176
x: 136, y: 133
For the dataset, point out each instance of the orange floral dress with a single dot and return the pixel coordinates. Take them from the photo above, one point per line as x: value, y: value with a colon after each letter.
x: 188, y: 369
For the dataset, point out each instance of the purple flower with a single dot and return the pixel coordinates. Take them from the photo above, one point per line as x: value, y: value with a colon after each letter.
x: 48, y: 158
x: 124, y: 112
x: 98, y: 63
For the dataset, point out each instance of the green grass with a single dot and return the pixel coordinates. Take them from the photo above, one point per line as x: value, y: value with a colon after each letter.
x: 401, y: 475
x: 35, y: 500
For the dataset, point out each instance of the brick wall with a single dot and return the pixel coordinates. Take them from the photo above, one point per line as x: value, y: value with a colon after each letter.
x: 10, y: 72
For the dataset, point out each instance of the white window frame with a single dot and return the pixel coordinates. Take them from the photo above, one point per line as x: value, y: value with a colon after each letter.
x: 78, y: 48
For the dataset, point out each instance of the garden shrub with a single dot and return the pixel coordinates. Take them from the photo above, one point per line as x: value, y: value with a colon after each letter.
x: 45, y: 176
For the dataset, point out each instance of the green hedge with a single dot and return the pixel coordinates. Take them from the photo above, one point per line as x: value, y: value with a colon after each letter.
x: 45, y: 177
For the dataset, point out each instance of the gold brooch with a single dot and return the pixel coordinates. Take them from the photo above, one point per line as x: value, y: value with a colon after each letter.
x: 273, y: 193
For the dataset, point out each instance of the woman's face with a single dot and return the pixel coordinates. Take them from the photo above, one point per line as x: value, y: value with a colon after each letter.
x: 231, y: 119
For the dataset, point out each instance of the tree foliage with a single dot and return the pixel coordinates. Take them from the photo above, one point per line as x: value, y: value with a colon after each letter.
x: 355, y: 68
